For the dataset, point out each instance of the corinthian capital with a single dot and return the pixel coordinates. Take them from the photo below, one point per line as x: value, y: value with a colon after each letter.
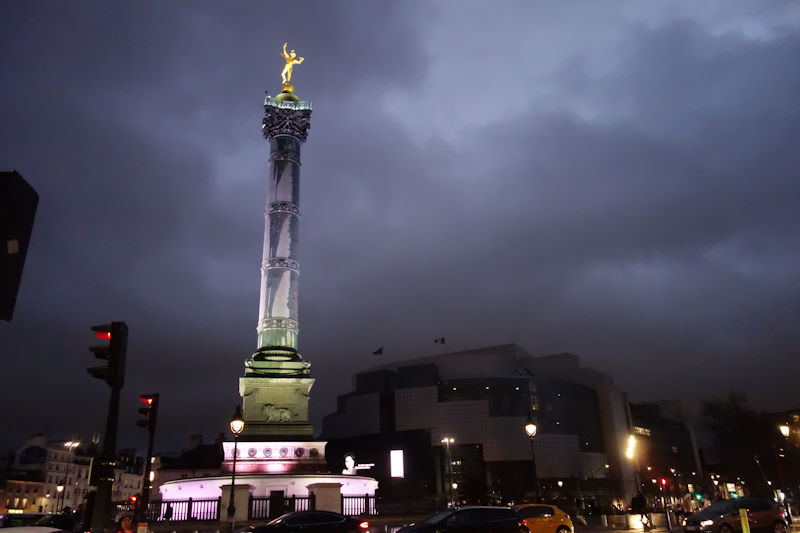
x: 286, y: 118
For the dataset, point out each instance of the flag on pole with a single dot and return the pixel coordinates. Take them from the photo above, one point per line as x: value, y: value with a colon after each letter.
x: 440, y: 340
x: 379, y: 351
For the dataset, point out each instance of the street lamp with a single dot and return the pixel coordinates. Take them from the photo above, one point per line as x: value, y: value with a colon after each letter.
x: 784, y: 428
x: 447, y: 441
x: 71, y: 445
x: 60, y: 491
x: 237, y: 425
x: 530, y: 430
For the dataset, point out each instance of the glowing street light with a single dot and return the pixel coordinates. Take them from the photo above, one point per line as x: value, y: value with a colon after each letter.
x: 237, y: 425
x: 530, y: 431
x: 447, y: 441
x: 784, y: 429
x: 71, y: 445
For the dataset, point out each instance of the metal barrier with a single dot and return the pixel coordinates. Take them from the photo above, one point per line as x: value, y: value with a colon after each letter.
x: 358, y: 505
x: 182, y: 510
x: 262, y: 508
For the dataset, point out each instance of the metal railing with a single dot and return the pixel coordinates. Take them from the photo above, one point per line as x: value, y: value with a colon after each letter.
x: 181, y: 510
x: 264, y: 508
x: 269, y: 507
x: 358, y: 505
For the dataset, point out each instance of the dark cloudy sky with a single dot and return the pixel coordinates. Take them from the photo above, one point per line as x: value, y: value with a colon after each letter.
x: 620, y: 180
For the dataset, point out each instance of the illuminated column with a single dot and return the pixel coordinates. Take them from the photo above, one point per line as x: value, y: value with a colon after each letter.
x: 286, y: 124
x: 277, y: 382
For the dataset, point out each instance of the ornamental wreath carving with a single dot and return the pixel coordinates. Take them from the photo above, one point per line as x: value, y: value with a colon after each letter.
x: 280, y: 262
x: 283, y: 206
x: 283, y: 323
x: 286, y: 122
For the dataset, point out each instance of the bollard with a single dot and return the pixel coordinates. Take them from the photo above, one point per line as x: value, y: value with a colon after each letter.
x: 745, y: 522
x: 604, y: 520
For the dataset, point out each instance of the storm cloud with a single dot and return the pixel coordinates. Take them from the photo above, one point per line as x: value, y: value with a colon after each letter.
x: 618, y: 180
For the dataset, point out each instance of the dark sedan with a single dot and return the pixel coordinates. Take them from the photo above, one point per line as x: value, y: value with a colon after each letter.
x: 470, y: 520
x: 308, y: 521
x: 723, y: 517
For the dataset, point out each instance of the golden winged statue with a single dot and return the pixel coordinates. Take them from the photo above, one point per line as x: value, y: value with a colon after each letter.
x: 291, y: 60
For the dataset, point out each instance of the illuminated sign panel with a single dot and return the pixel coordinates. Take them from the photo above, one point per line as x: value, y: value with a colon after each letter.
x: 396, y: 462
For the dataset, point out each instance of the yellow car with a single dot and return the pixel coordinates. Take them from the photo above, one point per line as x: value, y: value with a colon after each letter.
x: 541, y: 518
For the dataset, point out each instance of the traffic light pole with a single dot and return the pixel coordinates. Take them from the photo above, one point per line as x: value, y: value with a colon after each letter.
x: 114, y: 375
x: 105, y: 476
x: 151, y: 412
x: 144, y: 501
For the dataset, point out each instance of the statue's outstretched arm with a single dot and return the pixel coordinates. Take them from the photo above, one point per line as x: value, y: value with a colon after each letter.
x: 284, y: 54
x: 300, y: 60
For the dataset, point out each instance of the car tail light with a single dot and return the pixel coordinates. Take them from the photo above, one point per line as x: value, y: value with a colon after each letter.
x: 523, y: 522
x: 364, y: 525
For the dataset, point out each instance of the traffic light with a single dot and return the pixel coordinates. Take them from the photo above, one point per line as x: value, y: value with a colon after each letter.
x: 150, y: 411
x: 114, y: 352
x: 663, y: 482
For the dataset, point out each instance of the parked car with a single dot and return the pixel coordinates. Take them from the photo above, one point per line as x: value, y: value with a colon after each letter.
x: 542, y: 518
x: 19, y: 519
x: 58, y: 521
x: 723, y: 517
x: 471, y: 520
x: 308, y: 521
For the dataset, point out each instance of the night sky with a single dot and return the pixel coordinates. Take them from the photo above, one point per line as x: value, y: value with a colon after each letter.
x: 619, y: 180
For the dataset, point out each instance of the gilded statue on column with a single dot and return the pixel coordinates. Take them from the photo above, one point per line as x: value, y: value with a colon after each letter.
x: 286, y: 75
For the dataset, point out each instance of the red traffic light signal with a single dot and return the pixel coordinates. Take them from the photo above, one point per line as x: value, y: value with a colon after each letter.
x: 663, y: 482
x: 149, y: 410
x: 114, y: 352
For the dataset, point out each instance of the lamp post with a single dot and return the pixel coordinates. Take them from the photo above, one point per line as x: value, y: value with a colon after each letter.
x: 237, y: 425
x: 530, y: 430
x: 447, y: 441
x: 60, y: 491
x: 785, y: 432
x: 62, y: 487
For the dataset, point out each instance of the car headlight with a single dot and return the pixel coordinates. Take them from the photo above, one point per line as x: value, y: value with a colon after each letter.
x: 706, y: 523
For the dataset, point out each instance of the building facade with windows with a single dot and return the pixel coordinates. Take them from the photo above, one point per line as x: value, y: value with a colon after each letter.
x: 46, y: 476
x: 458, y: 421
